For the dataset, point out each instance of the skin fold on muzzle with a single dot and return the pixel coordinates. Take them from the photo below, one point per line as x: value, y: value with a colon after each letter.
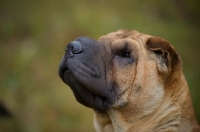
x: 85, y: 74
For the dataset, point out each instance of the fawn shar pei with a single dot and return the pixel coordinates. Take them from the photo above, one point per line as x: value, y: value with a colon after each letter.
x: 132, y: 81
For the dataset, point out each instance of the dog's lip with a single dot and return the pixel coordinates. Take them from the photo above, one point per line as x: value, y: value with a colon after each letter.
x: 62, y: 72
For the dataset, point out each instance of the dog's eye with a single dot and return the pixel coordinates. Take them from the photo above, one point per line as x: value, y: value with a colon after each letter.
x: 123, y: 54
x: 124, y: 58
x: 126, y: 55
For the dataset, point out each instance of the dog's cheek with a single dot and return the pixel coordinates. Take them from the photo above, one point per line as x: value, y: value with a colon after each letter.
x: 124, y: 76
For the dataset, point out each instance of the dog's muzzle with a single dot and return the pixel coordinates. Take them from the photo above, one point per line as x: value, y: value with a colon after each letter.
x: 83, y: 69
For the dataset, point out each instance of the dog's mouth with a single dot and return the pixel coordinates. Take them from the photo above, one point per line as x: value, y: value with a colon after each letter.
x: 83, y: 84
x: 86, y: 73
x: 62, y: 69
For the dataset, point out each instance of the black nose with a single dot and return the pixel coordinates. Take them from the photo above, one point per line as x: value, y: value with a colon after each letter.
x: 74, y: 47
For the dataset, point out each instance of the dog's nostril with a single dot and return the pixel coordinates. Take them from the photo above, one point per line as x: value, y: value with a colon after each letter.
x: 75, y: 47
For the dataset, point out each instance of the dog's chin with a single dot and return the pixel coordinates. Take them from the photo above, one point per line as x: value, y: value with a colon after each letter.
x: 85, y: 95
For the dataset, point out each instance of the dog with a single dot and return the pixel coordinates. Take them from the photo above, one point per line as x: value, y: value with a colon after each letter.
x: 133, y: 82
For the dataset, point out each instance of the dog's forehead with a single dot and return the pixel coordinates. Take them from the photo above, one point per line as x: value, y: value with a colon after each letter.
x: 124, y: 34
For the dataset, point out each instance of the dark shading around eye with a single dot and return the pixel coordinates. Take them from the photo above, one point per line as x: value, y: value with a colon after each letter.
x: 126, y: 55
x: 125, y: 58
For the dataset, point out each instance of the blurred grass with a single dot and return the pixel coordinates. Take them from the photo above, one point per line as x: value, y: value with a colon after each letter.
x: 33, y: 36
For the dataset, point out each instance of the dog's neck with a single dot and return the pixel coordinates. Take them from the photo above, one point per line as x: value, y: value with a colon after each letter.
x: 116, y: 121
x: 167, y: 116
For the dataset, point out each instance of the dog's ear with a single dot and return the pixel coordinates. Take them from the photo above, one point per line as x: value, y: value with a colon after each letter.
x: 167, y: 57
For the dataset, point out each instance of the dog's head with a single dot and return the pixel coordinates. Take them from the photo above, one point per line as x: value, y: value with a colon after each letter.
x: 121, y: 68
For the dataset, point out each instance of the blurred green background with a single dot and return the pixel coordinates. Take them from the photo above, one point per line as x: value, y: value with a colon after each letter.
x: 33, y: 36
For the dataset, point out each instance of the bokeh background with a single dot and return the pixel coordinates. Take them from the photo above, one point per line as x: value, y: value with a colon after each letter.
x: 34, y: 34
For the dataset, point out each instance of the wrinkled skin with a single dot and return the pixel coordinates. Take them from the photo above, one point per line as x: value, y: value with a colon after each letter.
x: 133, y: 81
x: 86, y: 75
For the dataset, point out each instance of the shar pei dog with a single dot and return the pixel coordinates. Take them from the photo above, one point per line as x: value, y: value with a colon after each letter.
x: 133, y: 82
